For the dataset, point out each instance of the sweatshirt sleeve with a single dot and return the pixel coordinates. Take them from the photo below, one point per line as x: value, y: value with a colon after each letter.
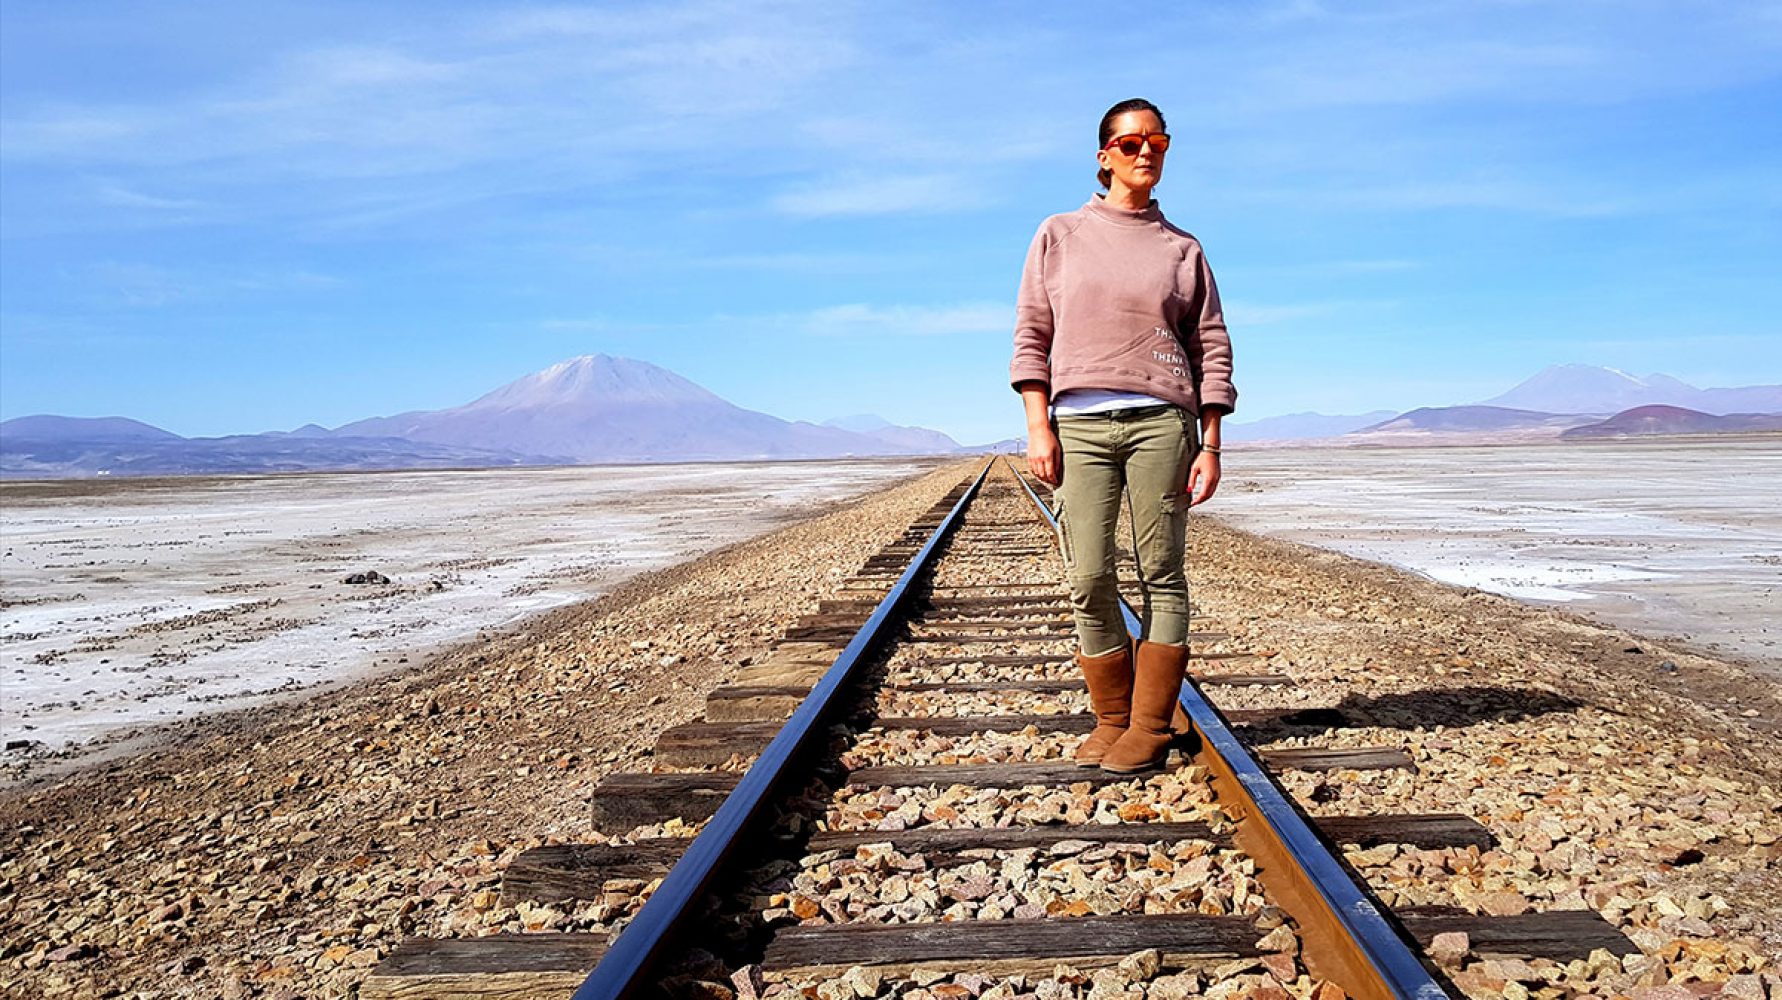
x: 1209, y: 345
x: 1033, y: 319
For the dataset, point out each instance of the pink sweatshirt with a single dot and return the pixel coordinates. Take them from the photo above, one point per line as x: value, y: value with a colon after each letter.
x: 1117, y: 299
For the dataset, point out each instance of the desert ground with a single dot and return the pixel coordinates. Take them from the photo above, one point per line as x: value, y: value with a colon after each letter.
x: 1673, y: 537
x: 281, y: 851
x: 125, y: 604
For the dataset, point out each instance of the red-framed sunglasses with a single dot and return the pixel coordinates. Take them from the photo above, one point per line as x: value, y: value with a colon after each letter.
x: 1130, y: 143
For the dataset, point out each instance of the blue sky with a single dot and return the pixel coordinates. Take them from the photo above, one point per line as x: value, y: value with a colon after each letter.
x: 236, y: 217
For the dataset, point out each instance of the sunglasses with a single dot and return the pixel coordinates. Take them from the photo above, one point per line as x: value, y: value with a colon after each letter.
x: 1130, y: 144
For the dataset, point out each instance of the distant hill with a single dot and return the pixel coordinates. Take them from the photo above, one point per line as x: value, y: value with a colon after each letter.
x: 1598, y: 390
x: 1007, y: 446
x: 915, y: 440
x: 1299, y: 426
x: 306, y: 431
x: 1644, y: 421
x: 860, y: 423
x: 1457, y: 419
x: 48, y: 429
x: 599, y: 408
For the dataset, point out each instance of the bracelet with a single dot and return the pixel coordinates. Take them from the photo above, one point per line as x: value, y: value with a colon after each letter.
x: 1208, y: 447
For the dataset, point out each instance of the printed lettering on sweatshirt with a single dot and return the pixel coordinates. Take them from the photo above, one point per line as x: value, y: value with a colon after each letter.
x: 1172, y: 355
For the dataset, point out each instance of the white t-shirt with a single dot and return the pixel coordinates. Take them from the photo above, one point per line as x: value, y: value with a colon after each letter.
x: 1073, y: 402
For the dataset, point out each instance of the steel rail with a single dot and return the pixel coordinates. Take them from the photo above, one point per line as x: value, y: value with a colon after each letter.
x: 1373, y: 961
x: 621, y: 970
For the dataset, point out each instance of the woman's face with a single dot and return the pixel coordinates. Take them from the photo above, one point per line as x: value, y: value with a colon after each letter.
x: 1142, y: 171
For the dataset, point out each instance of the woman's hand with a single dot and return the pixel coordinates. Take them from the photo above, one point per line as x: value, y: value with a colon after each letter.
x: 1045, y: 459
x: 1203, y: 477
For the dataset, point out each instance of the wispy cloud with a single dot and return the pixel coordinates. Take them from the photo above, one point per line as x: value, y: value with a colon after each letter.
x: 856, y: 319
x: 879, y: 196
x: 1247, y: 314
x: 123, y: 197
x: 862, y: 320
x: 135, y: 284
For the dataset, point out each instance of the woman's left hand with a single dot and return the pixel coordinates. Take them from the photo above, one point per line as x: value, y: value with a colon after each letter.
x: 1203, y: 477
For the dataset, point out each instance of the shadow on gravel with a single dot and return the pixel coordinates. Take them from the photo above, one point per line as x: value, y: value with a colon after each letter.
x: 1453, y: 707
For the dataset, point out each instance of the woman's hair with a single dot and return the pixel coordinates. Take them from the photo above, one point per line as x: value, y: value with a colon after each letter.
x: 1106, y: 132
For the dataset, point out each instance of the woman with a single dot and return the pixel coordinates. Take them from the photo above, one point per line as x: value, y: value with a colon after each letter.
x: 1118, y: 328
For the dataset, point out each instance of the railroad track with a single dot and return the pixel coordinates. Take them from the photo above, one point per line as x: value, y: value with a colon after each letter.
x: 889, y: 796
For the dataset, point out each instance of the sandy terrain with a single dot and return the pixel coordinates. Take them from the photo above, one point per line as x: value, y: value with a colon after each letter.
x: 126, y: 603
x: 281, y: 853
x: 1677, y: 538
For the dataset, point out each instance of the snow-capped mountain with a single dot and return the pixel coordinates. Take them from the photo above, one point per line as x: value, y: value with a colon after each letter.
x: 599, y: 408
x: 1594, y: 389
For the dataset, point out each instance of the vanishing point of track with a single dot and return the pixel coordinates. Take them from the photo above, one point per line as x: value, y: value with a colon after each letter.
x: 815, y: 803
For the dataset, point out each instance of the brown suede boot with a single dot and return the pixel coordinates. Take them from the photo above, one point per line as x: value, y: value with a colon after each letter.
x: 1109, y: 678
x: 1156, y: 685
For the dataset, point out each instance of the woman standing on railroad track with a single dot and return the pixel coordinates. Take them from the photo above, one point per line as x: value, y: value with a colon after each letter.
x: 1118, y: 330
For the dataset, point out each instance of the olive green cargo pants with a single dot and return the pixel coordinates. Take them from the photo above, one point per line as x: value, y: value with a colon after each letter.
x: 1142, y: 455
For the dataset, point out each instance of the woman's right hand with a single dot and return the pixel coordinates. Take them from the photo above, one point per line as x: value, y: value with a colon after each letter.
x: 1045, y: 459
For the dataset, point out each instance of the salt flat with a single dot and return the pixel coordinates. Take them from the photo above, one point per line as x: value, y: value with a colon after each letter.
x: 1667, y: 537
x: 125, y: 603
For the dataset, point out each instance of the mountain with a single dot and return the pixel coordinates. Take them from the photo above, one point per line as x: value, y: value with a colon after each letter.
x: 599, y: 408
x: 1007, y: 446
x: 306, y: 431
x: 1644, y: 421
x: 45, y: 428
x: 1464, y: 419
x: 1597, y: 390
x: 860, y: 423
x: 1299, y: 426
x: 590, y: 409
x: 913, y: 440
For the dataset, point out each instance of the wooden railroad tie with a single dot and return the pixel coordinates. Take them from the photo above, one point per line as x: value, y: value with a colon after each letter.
x: 1075, y: 684
x: 709, y: 743
x: 580, y: 871
x: 1030, y: 660
x: 1034, y: 946
x: 506, y: 966
x: 625, y: 800
x: 735, y: 703
x: 1055, y: 637
x: 1008, y: 947
x: 998, y: 601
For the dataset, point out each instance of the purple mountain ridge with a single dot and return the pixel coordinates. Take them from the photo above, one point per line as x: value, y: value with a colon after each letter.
x: 917, y: 440
x: 47, y: 428
x: 1644, y: 421
x: 599, y: 408
x: 1293, y: 426
x: 1451, y: 419
x: 1551, y: 401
